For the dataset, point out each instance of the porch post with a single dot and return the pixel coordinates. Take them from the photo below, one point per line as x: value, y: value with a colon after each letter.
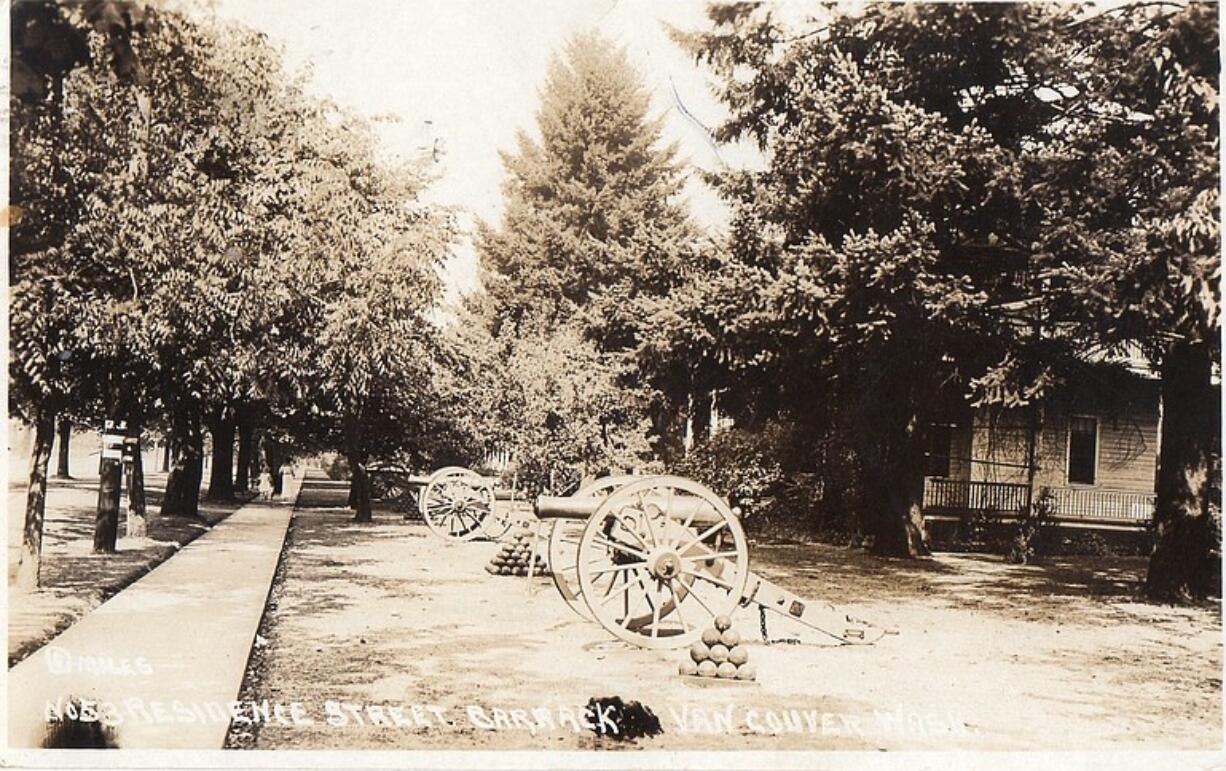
x: 1031, y: 440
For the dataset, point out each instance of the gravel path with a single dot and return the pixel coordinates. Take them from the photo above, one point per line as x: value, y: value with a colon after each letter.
x: 389, y: 638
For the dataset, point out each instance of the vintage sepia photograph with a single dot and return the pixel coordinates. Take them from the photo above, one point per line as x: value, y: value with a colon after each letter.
x: 613, y: 384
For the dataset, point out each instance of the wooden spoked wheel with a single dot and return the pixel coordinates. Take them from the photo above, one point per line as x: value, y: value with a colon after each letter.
x: 499, y: 521
x: 659, y: 560
x: 455, y: 502
x: 564, y: 545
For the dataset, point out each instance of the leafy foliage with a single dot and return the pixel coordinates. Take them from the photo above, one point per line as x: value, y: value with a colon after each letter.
x: 592, y: 206
x: 555, y: 401
x: 593, y: 230
x: 952, y: 199
x: 202, y: 235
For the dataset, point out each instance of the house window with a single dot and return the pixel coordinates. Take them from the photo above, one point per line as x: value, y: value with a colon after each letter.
x: 940, y: 438
x: 1082, y: 450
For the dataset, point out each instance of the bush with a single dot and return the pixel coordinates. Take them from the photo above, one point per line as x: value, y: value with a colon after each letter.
x: 1026, y: 543
x: 336, y: 466
x: 760, y: 472
x: 1002, y: 538
x: 736, y: 464
x: 973, y: 527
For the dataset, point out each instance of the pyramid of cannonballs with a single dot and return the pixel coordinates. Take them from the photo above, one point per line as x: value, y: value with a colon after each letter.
x: 514, y: 556
x: 719, y: 653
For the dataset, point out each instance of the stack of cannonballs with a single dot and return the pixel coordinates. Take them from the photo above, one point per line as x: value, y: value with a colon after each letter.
x: 515, y: 556
x: 719, y: 654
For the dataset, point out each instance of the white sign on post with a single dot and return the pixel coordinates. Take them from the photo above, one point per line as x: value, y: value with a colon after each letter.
x: 113, y: 443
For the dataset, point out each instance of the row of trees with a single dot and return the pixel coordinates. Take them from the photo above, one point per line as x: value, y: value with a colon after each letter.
x: 958, y: 202
x: 970, y: 201
x: 205, y: 248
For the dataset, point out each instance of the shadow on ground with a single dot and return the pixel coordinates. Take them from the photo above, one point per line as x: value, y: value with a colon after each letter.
x: 73, y: 580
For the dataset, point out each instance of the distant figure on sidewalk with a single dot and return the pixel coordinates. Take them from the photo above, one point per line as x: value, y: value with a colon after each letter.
x: 265, y: 487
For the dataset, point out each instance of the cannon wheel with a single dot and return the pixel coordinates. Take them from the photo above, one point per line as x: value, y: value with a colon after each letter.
x: 564, y: 545
x: 455, y: 502
x: 655, y: 580
x: 499, y: 521
x: 394, y: 489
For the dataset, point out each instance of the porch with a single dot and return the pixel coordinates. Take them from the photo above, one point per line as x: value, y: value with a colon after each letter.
x: 951, y: 499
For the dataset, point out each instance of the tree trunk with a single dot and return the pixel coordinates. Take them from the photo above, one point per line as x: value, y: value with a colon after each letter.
x: 1180, y: 567
x: 359, y: 486
x: 106, y: 521
x: 196, y: 460
x: 900, y: 533
x: 253, y: 471
x: 704, y: 405
x: 221, y: 475
x: 65, y: 436
x: 246, y: 432
x: 182, y: 497
x: 36, y: 503
x: 137, y: 522
x: 360, y: 490
x: 165, y: 467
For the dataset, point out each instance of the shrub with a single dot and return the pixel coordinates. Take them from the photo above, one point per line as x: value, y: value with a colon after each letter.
x: 335, y: 465
x: 1027, y: 541
x: 769, y: 474
x: 738, y: 465
x: 973, y: 527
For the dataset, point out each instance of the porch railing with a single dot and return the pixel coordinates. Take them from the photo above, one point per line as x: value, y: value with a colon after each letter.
x: 959, y: 497
x: 955, y: 496
x: 1113, y: 505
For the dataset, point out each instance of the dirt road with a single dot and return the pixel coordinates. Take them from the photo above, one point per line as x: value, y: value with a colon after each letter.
x: 387, y: 637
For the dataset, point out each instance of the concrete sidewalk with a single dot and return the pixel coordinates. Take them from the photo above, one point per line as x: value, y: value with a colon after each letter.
x: 162, y: 661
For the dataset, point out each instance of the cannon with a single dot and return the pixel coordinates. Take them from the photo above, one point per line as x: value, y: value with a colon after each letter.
x: 397, y: 486
x: 654, y: 560
x: 460, y: 504
x: 564, y: 538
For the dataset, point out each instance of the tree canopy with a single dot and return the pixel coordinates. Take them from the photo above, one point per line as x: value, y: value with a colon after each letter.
x: 200, y: 239
x: 940, y: 202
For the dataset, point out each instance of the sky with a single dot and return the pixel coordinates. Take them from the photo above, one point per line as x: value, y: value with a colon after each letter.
x: 463, y: 76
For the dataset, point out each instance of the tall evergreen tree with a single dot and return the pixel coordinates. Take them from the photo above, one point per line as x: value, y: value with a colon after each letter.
x: 594, y: 226
x: 869, y: 262
x: 593, y: 206
x: 1139, y: 247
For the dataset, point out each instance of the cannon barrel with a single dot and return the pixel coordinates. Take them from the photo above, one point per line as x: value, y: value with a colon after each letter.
x: 698, y: 511
x: 563, y: 507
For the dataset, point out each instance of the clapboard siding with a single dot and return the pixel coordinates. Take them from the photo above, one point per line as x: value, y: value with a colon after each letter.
x: 1127, y: 452
x: 1127, y: 445
x: 960, y: 466
x: 998, y: 446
